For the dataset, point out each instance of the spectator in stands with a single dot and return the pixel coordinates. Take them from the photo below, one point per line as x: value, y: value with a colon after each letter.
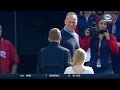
x: 102, y: 46
x: 8, y: 56
x: 116, y: 24
x: 78, y: 67
x: 116, y: 61
x: 85, y: 19
x: 54, y: 58
x: 100, y: 14
x: 70, y: 39
x: 116, y: 31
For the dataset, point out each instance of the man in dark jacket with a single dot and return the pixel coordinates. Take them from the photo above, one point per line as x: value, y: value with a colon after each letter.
x: 53, y: 58
x: 70, y: 38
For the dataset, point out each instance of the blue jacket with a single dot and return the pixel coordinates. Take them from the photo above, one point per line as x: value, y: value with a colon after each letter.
x: 83, y: 24
x: 116, y: 62
x: 118, y: 28
x: 117, y: 34
x: 105, y: 52
x: 53, y: 55
x: 69, y: 42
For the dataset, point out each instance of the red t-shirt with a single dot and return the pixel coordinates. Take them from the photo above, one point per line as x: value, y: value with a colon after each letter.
x: 8, y: 56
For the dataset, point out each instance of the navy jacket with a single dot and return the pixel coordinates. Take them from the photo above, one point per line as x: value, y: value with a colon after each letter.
x: 83, y: 24
x: 117, y: 34
x: 69, y: 42
x: 116, y: 63
x: 118, y: 28
x: 54, y: 56
x: 105, y: 52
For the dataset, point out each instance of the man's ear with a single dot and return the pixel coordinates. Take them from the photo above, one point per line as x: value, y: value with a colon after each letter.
x: 60, y: 38
x: 65, y: 21
x: 49, y: 39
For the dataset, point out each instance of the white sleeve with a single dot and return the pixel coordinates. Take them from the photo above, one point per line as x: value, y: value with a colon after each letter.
x: 66, y: 71
x: 91, y: 70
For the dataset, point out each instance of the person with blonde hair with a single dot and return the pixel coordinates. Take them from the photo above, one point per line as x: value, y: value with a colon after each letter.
x: 78, y: 66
